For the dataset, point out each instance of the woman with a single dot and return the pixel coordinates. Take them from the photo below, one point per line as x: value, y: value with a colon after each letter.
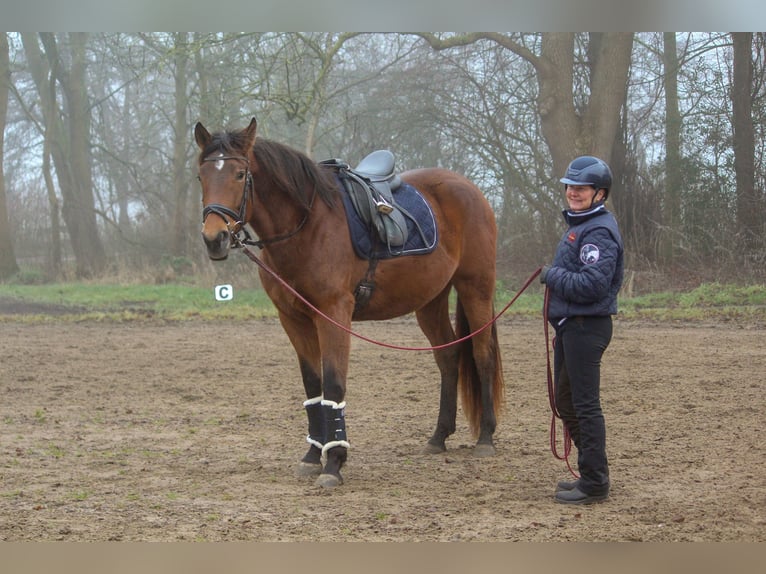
x: 583, y: 282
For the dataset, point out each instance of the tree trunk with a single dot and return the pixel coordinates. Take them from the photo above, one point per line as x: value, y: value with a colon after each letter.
x: 673, y: 179
x: 123, y: 200
x: 79, y: 210
x: 181, y: 136
x: 46, y: 87
x: 8, y: 264
x: 593, y: 130
x: 55, y: 257
x: 69, y: 143
x: 560, y: 124
x: 749, y: 211
x: 205, y: 98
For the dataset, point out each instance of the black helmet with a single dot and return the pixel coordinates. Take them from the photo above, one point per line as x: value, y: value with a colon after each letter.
x: 588, y: 170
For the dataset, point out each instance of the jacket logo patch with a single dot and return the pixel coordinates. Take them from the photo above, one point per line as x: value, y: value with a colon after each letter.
x: 589, y: 254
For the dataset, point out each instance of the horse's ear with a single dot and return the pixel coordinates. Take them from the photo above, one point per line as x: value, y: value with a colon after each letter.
x: 201, y: 135
x: 250, y: 133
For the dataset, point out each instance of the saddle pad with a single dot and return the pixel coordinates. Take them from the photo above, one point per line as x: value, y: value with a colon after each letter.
x: 366, y: 242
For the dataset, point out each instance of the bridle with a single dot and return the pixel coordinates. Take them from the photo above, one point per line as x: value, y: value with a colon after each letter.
x: 235, y: 221
x: 227, y: 214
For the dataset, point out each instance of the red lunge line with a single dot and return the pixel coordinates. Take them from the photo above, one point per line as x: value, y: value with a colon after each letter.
x: 289, y: 287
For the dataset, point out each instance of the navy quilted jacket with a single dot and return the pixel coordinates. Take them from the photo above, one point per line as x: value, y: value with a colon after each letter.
x: 586, y: 273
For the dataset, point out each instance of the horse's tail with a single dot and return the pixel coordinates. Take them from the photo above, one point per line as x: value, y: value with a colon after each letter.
x: 468, y: 374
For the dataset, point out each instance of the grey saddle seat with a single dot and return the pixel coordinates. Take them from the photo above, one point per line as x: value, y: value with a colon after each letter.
x: 379, y: 166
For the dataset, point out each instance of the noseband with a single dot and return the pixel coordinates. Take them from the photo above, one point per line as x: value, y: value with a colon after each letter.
x: 238, y: 218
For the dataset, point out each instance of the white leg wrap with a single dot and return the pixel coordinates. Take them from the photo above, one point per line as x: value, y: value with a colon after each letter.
x: 333, y: 404
x: 316, y: 443
x: 314, y: 401
x: 333, y: 444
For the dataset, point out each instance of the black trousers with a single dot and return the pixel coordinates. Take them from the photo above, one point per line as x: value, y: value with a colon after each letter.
x: 577, y: 351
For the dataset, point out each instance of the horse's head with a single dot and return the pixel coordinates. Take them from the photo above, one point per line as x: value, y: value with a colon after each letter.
x: 227, y: 185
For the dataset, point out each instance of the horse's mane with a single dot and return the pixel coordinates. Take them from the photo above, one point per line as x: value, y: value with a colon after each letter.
x: 286, y: 169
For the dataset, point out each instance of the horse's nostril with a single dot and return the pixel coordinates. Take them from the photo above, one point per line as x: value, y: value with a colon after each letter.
x: 219, y: 238
x: 218, y: 244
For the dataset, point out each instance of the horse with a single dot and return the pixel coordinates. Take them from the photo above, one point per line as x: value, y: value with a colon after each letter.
x: 294, y: 206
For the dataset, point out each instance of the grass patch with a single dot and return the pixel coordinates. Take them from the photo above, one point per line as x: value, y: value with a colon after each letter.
x: 80, y: 495
x: 56, y: 451
x: 79, y: 301
x: 12, y: 494
x: 711, y: 301
x: 170, y: 302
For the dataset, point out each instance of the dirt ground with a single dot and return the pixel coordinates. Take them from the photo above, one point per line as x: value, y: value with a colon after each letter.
x: 191, y: 431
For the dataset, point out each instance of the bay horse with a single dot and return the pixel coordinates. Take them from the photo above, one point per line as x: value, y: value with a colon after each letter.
x: 294, y: 206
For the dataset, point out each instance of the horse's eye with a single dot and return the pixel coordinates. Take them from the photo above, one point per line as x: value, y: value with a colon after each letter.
x: 241, y: 175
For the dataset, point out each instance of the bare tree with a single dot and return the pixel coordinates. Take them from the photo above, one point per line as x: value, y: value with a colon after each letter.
x: 50, y: 127
x: 8, y: 265
x: 570, y: 131
x: 750, y: 212
x: 69, y: 141
x: 180, y: 141
x: 508, y: 110
x: 296, y: 76
x: 673, y: 167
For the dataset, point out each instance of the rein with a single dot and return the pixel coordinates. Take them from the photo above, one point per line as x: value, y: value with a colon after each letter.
x: 551, y: 393
x: 292, y: 290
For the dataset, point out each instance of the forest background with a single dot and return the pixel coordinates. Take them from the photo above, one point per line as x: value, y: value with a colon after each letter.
x: 97, y: 157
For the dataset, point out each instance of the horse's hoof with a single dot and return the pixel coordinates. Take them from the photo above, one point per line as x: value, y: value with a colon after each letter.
x: 308, y: 469
x: 434, y: 449
x: 483, y: 450
x: 328, y: 481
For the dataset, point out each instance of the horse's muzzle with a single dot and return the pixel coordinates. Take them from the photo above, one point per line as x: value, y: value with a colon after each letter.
x: 218, y: 245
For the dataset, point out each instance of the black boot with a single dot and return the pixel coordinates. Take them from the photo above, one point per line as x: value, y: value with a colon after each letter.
x: 577, y: 496
x: 567, y: 485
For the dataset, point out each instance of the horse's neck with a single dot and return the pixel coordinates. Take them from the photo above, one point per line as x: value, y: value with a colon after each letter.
x: 282, y: 223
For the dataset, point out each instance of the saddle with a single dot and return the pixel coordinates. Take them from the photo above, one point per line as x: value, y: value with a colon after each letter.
x: 370, y: 187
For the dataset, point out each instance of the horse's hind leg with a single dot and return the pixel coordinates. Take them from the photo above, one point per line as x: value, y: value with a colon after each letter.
x: 481, y: 369
x: 435, y: 323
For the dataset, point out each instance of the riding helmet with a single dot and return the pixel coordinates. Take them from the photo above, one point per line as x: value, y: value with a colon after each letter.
x: 588, y: 170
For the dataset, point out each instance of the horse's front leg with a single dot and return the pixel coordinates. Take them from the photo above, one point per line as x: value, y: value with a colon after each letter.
x: 335, y: 345
x: 311, y: 463
x: 302, y: 333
